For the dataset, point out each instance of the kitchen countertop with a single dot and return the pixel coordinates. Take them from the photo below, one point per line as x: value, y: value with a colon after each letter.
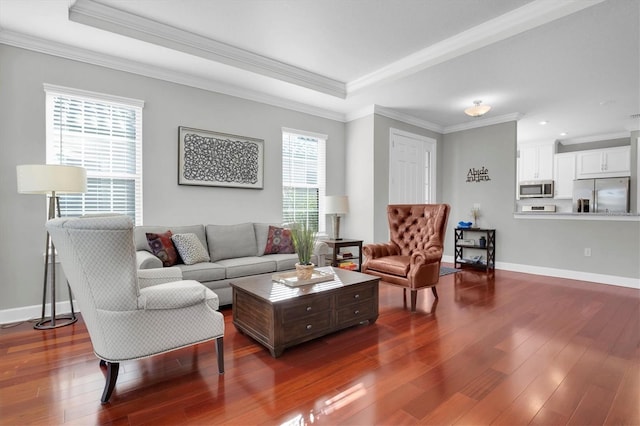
x: 628, y: 217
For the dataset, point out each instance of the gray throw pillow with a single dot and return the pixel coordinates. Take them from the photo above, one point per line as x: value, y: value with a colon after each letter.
x: 190, y: 248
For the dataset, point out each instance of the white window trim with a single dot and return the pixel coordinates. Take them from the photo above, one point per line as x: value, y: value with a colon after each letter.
x: 322, y: 176
x: 96, y: 96
x: 56, y: 90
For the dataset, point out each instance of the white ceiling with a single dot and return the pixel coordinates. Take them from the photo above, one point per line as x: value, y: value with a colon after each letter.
x: 575, y: 64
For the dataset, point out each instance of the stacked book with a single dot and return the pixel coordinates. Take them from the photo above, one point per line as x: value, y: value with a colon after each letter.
x: 348, y: 265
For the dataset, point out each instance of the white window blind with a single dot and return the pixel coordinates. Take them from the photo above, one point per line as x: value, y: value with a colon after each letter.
x: 103, y: 134
x: 303, y: 178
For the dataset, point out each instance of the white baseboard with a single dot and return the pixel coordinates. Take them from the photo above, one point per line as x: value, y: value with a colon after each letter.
x: 564, y: 273
x: 33, y: 312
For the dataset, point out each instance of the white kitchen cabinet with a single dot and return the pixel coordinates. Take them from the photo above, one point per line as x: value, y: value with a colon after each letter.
x: 564, y: 173
x: 607, y: 162
x: 536, y: 161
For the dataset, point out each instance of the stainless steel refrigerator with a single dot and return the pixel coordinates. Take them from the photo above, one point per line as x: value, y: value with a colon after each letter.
x: 607, y: 195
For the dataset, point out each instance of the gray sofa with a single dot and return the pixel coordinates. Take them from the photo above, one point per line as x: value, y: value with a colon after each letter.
x: 236, y: 251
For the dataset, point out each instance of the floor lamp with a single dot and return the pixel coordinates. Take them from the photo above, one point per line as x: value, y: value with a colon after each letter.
x: 52, y: 180
x: 336, y: 205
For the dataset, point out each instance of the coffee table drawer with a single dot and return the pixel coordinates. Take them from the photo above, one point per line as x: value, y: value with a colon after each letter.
x: 307, y: 326
x: 356, y: 295
x: 356, y: 313
x: 308, y: 307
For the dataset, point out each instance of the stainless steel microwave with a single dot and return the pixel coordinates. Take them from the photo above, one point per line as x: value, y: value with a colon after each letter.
x: 536, y: 189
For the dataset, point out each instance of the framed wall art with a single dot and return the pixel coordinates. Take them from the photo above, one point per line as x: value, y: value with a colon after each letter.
x: 218, y: 159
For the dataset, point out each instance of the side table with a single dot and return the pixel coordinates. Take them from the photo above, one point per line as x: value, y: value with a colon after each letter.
x: 340, y: 258
x: 485, y: 245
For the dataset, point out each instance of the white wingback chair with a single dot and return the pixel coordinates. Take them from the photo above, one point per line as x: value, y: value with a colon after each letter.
x: 131, y: 314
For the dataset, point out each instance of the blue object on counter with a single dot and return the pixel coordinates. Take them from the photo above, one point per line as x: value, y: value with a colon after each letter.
x: 462, y: 224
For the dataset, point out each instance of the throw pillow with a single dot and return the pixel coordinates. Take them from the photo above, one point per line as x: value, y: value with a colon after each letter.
x: 190, y: 248
x: 279, y: 241
x: 162, y: 247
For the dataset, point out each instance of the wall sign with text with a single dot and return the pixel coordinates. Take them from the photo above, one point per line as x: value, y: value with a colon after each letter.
x: 478, y: 175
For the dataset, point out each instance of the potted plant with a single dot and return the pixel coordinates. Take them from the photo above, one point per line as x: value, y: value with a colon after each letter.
x: 304, y: 241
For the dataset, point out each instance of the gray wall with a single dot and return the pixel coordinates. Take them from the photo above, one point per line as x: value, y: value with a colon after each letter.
x: 492, y: 147
x: 560, y: 148
x: 167, y: 106
x: 550, y: 243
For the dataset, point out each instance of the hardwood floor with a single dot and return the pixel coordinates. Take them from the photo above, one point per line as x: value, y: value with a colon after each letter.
x: 507, y: 348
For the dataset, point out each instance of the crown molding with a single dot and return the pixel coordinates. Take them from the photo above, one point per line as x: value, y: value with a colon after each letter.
x: 395, y: 115
x: 483, y: 122
x: 360, y: 113
x: 48, y: 47
x: 406, y: 118
x: 110, y: 19
x: 534, y: 14
x: 409, y: 119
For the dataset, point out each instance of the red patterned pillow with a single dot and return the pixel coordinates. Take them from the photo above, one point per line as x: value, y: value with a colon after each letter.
x: 162, y: 247
x: 279, y: 241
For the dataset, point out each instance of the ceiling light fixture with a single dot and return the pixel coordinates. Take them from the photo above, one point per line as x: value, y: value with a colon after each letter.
x: 477, y: 110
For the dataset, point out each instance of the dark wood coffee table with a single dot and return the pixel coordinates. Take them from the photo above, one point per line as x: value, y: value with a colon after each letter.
x: 279, y: 316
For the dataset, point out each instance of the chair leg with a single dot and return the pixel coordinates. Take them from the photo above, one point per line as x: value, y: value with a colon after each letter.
x: 414, y: 299
x: 112, y: 376
x: 434, y: 291
x: 220, y: 352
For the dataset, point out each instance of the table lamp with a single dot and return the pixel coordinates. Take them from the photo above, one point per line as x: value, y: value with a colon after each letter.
x: 336, y: 205
x: 52, y: 180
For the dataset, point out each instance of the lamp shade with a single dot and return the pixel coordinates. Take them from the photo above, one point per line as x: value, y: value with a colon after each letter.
x: 49, y: 178
x: 336, y: 204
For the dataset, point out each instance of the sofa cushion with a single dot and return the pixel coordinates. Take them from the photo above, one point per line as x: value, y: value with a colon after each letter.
x: 279, y: 241
x: 244, y: 266
x: 162, y: 247
x: 231, y: 241
x: 203, y: 272
x: 139, y: 233
x: 190, y: 248
x: 262, y: 233
x: 284, y: 262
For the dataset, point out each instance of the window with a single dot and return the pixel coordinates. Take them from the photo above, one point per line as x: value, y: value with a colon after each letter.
x: 303, y: 178
x: 103, y: 134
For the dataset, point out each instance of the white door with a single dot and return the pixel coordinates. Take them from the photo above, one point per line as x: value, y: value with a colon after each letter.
x: 412, y: 168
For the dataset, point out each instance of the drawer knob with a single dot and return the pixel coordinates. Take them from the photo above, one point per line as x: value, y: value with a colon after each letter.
x: 356, y: 296
x: 356, y: 312
x: 308, y: 308
x: 309, y: 326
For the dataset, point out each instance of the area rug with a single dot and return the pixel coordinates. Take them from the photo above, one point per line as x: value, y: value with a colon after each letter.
x: 446, y: 271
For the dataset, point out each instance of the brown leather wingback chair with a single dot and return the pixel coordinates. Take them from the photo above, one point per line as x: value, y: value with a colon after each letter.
x: 412, y: 258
